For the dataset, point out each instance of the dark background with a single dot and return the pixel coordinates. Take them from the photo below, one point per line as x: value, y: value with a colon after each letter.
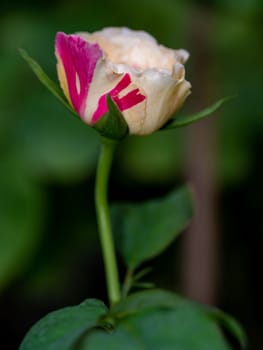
x: 49, y: 249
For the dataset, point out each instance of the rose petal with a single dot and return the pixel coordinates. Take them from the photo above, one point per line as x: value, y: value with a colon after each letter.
x: 113, y: 80
x: 164, y: 96
x: 77, y: 60
x: 135, y: 49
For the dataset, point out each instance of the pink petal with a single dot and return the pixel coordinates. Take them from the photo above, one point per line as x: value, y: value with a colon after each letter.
x: 79, y: 59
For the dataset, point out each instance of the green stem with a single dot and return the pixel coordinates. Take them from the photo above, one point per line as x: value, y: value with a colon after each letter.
x: 103, y: 216
x: 127, y: 284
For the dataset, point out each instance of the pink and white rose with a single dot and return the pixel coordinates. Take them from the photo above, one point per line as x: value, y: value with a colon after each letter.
x: 144, y: 79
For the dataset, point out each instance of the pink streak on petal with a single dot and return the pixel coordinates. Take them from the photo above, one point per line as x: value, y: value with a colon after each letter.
x: 129, y: 100
x: 125, y: 82
x: 79, y: 59
x: 101, y: 109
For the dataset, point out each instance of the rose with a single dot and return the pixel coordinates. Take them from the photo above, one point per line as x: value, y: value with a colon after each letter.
x: 145, y: 80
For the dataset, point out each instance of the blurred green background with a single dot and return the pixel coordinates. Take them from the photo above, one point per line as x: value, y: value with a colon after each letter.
x: 49, y: 249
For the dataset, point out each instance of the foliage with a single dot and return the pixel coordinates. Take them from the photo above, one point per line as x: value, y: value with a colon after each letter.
x: 153, y: 222
x: 141, y: 321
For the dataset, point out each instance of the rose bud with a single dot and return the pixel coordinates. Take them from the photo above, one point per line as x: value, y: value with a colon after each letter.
x: 145, y: 80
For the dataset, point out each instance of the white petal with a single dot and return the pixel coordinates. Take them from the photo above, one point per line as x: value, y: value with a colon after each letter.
x: 182, y: 55
x: 164, y: 96
x: 135, y: 49
x: 104, y: 79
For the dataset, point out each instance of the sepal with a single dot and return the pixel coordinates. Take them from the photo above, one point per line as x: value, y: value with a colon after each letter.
x: 112, y: 125
x: 179, y: 122
x: 45, y: 80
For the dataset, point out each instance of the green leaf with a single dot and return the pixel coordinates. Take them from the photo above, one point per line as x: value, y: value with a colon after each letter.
x: 144, y: 230
x: 45, y: 80
x: 185, y: 328
x: 121, y: 339
x: 146, y: 300
x: 184, y: 121
x: 164, y: 300
x: 112, y: 125
x: 231, y: 325
x: 62, y: 329
x: 21, y: 216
